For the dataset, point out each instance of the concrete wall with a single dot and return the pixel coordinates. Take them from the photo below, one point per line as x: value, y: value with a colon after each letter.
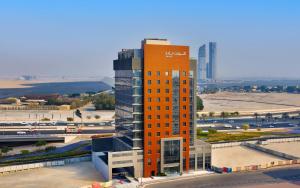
x: 271, y: 152
x: 271, y: 140
x: 101, y: 166
x: 15, y: 168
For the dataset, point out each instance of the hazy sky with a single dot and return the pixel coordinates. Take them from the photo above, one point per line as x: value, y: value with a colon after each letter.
x: 255, y: 38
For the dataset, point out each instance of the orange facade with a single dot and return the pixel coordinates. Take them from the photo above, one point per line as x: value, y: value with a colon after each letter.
x: 159, y: 62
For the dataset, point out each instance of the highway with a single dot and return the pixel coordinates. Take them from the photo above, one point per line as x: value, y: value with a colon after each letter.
x: 236, y: 123
x: 98, y: 131
x: 287, y: 176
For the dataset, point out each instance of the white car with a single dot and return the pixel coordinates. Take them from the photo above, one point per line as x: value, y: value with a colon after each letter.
x: 21, y: 132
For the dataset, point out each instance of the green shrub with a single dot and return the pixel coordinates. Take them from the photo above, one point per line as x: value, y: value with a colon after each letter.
x: 50, y: 148
x: 24, y: 152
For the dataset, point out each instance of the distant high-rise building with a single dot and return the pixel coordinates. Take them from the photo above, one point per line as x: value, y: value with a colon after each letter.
x: 202, y: 63
x: 207, y: 70
x: 212, y: 53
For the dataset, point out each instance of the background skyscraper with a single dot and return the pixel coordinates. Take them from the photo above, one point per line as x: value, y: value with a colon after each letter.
x: 207, y: 70
x: 212, y: 53
x: 202, y: 63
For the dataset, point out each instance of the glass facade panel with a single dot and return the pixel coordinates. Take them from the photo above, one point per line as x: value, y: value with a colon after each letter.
x: 171, y: 151
x: 175, y: 102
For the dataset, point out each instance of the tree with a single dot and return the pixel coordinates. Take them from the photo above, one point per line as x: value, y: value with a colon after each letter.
x: 212, y: 131
x: 5, y: 149
x: 200, y: 105
x: 50, y: 148
x: 224, y: 115
x: 24, y: 152
x: 70, y: 119
x: 104, y: 101
x: 97, y: 117
x: 203, y: 116
x: 40, y: 143
x: 199, y: 131
x: 236, y: 113
x: 211, y: 114
x: 245, y: 127
x: 269, y: 116
x: 88, y: 117
x: 256, y: 117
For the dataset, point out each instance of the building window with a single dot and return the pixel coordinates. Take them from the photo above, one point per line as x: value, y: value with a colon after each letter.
x: 183, y: 132
x: 158, y: 91
x: 158, y: 151
x: 184, y: 140
x: 184, y: 90
x: 149, y: 73
x: 157, y: 107
x: 149, y: 82
x: 183, y: 98
x: 158, y: 125
x: 167, y: 107
x: 158, y: 142
x: 149, y: 99
x: 184, y: 148
x: 167, y: 124
x: 167, y: 81
x: 158, y: 134
x: 149, y: 116
x: 149, y: 143
x: 184, y: 115
x: 149, y: 162
x: 149, y: 107
x: 149, y: 152
x: 167, y: 73
x: 157, y: 73
x: 157, y: 116
x: 158, y: 82
x: 157, y: 99
x: 149, y: 125
x: 167, y: 91
x: 184, y: 107
x: 167, y: 116
x: 167, y: 133
x: 184, y: 81
x: 184, y: 123
x: 183, y: 73
x: 167, y: 99
x: 149, y: 134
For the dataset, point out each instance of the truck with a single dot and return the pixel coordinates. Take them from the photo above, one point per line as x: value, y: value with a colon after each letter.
x: 73, y: 130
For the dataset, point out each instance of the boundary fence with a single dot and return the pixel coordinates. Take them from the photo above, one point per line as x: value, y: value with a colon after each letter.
x: 15, y: 168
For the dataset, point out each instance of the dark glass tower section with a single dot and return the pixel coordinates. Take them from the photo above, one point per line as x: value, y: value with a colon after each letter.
x: 129, y: 92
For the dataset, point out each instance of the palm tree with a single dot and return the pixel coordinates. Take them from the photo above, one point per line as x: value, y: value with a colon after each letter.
x: 223, y: 115
x: 256, y: 117
x: 269, y: 116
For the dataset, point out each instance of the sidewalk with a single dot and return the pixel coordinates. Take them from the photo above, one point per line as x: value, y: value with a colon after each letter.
x: 143, y: 182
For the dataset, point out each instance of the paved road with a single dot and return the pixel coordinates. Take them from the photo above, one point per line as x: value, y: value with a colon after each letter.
x: 252, y: 179
x: 61, y: 132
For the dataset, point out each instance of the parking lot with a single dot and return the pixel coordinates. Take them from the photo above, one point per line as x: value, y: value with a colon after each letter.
x: 291, y: 148
x: 71, y: 176
x: 238, y: 156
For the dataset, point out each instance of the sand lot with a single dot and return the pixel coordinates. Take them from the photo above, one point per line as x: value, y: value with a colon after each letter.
x: 250, y: 102
x: 55, y: 115
x: 239, y: 156
x: 291, y: 148
x: 71, y: 176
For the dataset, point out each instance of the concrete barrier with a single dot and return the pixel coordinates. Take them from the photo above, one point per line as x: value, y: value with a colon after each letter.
x: 270, y: 151
x: 15, y: 168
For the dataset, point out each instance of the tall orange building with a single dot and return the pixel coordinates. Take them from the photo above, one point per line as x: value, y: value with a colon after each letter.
x: 155, y: 90
x: 166, y: 107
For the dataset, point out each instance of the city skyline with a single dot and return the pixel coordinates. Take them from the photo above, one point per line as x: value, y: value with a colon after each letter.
x: 47, y: 38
